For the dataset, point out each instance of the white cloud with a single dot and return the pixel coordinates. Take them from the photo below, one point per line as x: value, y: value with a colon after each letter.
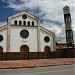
x: 58, y: 30
x: 3, y: 23
x: 53, y: 10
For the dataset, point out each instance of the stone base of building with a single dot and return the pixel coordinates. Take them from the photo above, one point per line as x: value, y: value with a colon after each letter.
x: 59, y: 53
x: 31, y: 55
x: 65, y: 53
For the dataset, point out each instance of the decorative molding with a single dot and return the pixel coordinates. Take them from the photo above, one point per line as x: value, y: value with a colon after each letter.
x: 21, y: 13
x: 3, y: 27
x: 46, y: 30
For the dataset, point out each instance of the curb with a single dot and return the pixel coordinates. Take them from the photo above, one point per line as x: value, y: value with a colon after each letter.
x: 34, y: 63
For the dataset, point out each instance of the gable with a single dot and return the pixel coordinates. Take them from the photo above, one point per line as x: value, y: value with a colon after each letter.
x: 47, y: 31
x: 3, y: 28
x: 23, y: 18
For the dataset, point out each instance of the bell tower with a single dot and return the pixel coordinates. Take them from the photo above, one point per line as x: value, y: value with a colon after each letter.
x: 68, y: 29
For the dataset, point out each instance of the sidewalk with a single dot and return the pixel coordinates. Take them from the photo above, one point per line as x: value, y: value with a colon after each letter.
x: 35, y: 63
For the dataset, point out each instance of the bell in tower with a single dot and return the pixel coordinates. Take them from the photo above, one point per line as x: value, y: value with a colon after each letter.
x: 68, y: 29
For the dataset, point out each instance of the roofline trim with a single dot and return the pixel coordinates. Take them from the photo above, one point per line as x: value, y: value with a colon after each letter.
x: 46, y: 30
x: 3, y: 27
x: 18, y: 14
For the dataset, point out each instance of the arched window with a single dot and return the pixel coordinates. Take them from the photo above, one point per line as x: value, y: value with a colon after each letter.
x: 32, y: 23
x: 24, y: 22
x: 15, y: 23
x: 28, y: 23
x: 68, y: 20
x: 20, y: 22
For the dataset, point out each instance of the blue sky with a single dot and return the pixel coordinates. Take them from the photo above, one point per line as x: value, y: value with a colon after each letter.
x: 5, y: 11
x: 50, y: 13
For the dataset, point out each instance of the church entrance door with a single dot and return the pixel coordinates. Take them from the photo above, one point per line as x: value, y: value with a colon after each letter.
x: 1, y: 53
x: 47, y: 52
x: 24, y: 52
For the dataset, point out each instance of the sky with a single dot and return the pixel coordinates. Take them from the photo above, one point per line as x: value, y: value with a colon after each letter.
x: 50, y: 13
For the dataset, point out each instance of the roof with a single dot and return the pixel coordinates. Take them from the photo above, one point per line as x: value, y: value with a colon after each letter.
x: 23, y: 12
x: 46, y: 30
x: 3, y: 27
x: 65, y: 7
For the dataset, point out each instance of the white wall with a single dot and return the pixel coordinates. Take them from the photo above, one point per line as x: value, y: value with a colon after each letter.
x: 4, y: 42
x: 43, y: 43
x: 16, y: 41
x: 19, y: 18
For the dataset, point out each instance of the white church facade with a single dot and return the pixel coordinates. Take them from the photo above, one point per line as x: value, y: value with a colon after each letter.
x: 24, y: 38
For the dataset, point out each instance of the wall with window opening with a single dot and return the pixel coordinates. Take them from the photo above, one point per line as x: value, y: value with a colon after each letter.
x: 28, y: 23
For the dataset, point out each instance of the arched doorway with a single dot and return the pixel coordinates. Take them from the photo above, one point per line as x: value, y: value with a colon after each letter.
x: 24, y: 52
x: 1, y: 53
x: 47, y: 52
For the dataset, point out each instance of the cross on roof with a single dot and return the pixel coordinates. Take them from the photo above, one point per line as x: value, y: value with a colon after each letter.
x: 24, y: 8
x: 65, y: 0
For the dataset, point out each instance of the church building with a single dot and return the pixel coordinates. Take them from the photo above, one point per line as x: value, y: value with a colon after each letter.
x: 24, y: 38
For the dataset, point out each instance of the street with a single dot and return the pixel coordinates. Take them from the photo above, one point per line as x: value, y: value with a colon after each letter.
x: 51, y: 70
